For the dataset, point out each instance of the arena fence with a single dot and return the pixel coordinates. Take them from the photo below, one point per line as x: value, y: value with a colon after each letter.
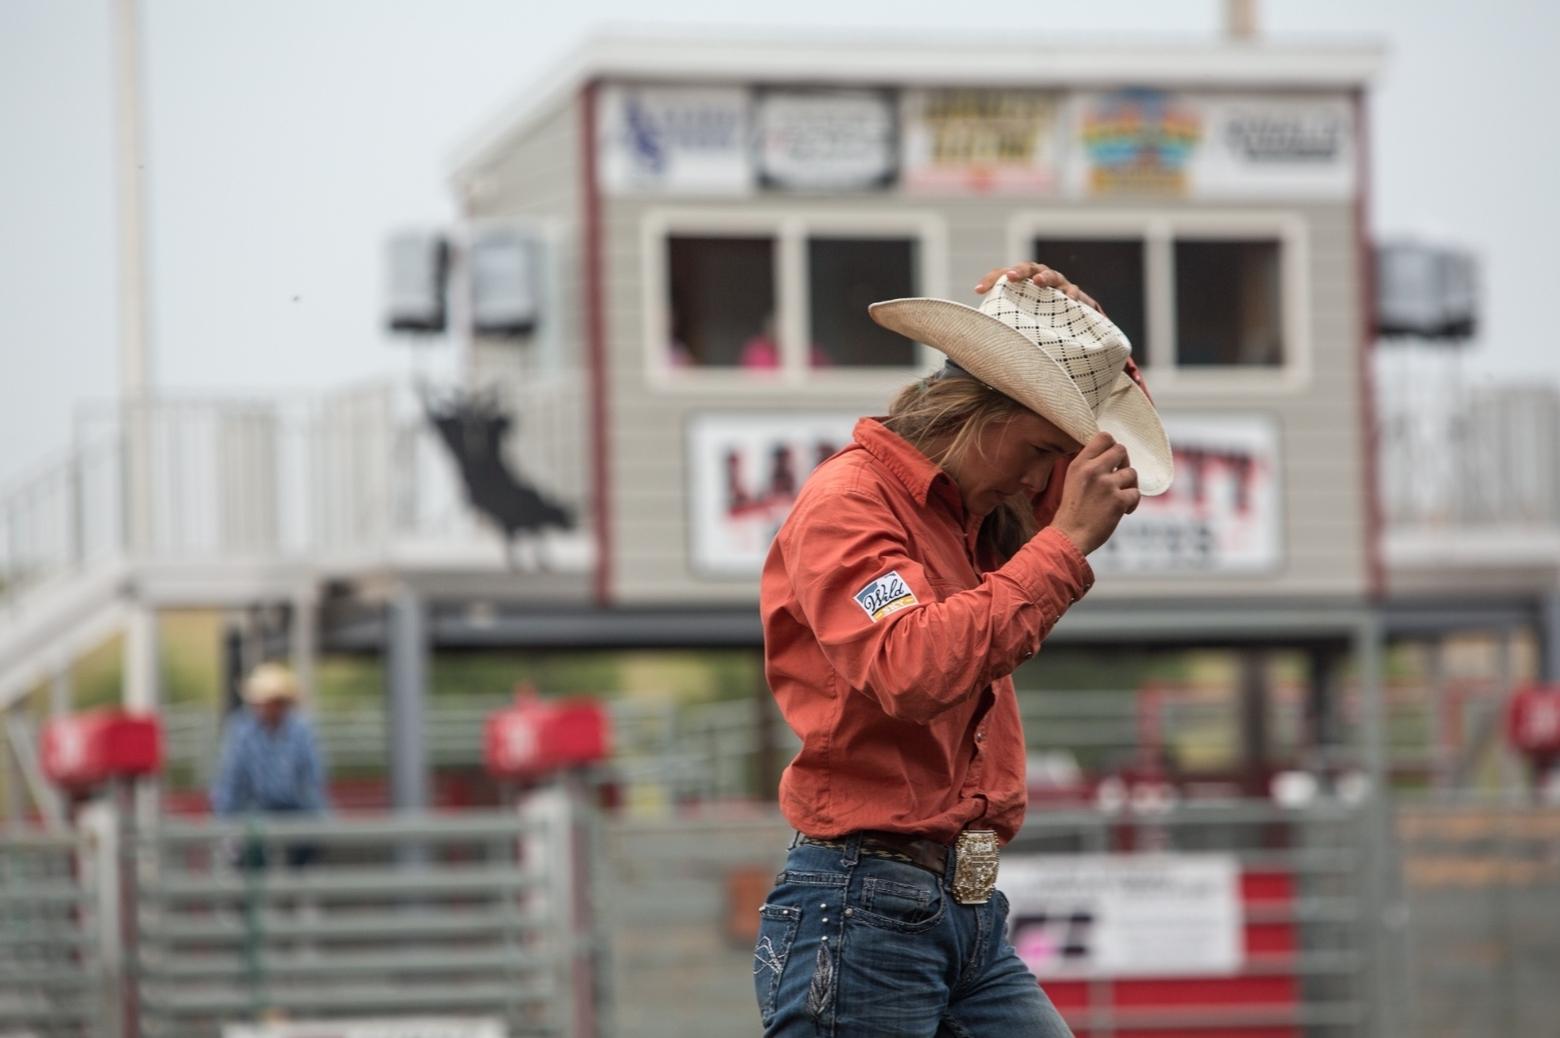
x: 1482, y: 885
x: 1444, y: 922
x: 477, y: 914
x: 52, y: 980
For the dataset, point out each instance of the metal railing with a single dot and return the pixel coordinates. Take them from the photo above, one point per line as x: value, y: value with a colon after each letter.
x: 670, y: 754
x: 293, y: 480
x: 1452, y: 455
x: 460, y: 915
x: 1309, y: 924
x: 1482, y: 884
x: 51, y: 978
x: 1312, y: 955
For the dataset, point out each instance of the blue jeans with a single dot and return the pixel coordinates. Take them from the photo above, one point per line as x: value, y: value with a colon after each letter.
x: 852, y: 945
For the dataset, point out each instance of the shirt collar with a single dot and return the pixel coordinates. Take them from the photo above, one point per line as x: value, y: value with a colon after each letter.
x: 912, y: 468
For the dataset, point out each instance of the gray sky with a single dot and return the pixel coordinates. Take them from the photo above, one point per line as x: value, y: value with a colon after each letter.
x: 287, y: 137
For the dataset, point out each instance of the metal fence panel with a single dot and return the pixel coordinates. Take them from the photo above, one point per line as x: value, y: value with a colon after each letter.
x: 1483, y: 888
x: 355, y: 917
x: 51, y: 981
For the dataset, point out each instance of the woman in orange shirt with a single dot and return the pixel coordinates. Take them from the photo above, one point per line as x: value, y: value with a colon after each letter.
x: 919, y: 567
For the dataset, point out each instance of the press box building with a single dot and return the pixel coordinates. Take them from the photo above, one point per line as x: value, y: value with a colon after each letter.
x: 710, y: 219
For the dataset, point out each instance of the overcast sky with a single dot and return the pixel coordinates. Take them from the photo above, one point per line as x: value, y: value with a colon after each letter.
x: 287, y: 137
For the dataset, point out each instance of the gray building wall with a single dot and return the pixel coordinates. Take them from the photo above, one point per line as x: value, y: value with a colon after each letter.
x: 1319, y: 426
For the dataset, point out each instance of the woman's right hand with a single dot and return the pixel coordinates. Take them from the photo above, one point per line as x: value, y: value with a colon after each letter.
x: 1101, y: 487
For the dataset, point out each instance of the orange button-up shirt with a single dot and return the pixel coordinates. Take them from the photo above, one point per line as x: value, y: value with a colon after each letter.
x: 888, y: 644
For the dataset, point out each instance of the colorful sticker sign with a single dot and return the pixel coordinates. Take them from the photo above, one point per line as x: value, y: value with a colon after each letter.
x: 981, y: 141
x: 1136, y: 141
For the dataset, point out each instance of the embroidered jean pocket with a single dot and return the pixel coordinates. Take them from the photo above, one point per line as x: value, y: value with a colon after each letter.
x: 777, y: 925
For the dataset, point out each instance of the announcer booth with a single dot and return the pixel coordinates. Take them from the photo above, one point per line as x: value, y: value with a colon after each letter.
x: 706, y: 222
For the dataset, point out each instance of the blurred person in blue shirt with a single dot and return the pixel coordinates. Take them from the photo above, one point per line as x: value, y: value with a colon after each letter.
x: 270, y: 762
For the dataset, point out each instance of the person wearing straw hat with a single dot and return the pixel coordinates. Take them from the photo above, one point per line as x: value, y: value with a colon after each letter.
x: 270, y: 761
x: 919, y: 567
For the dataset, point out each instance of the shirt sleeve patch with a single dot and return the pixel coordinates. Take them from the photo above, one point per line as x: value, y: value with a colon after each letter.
x: 887, y: 594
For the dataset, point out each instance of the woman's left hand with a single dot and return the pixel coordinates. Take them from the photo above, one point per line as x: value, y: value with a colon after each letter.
x: 1040, y: 274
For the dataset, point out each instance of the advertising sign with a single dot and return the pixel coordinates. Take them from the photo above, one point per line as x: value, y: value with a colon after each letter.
x: 1221, y: 515
x: 1275, y: 147
x: 1133, y: 142
x: 744, y: 474
x: 823, y: 140
x: 1157, y: 143
x: 1103, y: 915
x: 674, y: 140
x: 981, y: 141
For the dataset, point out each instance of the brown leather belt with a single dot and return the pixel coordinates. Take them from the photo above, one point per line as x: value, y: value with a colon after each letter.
x: 915, y: 850
x: 973, y: 880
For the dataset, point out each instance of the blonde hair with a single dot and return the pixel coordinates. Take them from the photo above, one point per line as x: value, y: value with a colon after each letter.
x: 946, y: 419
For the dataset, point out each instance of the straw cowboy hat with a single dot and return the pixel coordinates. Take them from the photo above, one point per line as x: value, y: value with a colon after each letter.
x: 1059, y: 358
x: 270, y: 682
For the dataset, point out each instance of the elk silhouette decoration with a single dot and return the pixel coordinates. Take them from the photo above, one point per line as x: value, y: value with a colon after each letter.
x: 473, y: 427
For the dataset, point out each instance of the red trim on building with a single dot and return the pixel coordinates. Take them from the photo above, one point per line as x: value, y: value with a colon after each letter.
x: 595, y: 346
x: 1375, y: 572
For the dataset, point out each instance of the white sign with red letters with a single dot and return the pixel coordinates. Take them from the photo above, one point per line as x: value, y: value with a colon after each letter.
x: 744, y: 473
x: 1221, y: 515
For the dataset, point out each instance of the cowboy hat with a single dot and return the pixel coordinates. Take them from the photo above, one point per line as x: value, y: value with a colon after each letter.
x: 270, y: 682
x: 1059, y: 358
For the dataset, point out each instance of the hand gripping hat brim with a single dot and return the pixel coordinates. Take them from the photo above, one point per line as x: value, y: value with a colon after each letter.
x: 1059, y: 358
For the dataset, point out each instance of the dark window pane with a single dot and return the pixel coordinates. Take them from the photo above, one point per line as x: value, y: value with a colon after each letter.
x: 722, y: 302
x: 1109, y: 270
x: 1227, y: 303
x: 844, y: 275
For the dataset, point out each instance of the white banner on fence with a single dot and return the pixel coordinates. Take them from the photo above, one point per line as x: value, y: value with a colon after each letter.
x: 1106, y: 915
x: 418, y: 1027
x: 1221, y: 515
x: 823, y: 140
x: 744, y: 473
x: 674, y: 140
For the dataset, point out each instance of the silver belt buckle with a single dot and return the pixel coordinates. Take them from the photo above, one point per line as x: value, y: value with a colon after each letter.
x: 975, y: 874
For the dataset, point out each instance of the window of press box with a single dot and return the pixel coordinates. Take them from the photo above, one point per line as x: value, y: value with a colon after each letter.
x: 1228, y: 303
x: 1111, y: 272
x: 845, y: 276
x: 722, y: 302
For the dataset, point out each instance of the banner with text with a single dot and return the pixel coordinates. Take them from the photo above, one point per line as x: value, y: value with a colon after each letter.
x: 674, y: 140
x: 1221, y: 515
x: 981, y: 141
x: 1104, y: 915
x: 744, y: 473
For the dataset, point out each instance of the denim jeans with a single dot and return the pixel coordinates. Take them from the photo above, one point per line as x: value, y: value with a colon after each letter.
x: 852, y: 945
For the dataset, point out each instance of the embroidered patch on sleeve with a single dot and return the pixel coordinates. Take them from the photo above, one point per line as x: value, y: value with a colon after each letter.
x: 887, y: 594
